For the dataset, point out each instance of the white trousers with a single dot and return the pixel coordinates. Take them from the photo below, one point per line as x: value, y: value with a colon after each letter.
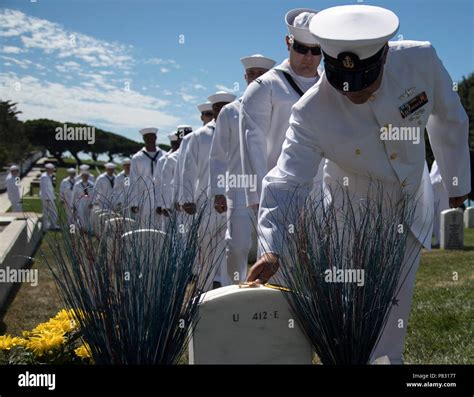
x: 392, y: 338
x: 238, y: 238
x: 83, y: 218
x: 212, y: 248
x: 50, y: 214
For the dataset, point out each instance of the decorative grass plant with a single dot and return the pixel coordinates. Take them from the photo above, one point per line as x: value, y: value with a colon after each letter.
x: 342, y: 260
x: 136, y: 291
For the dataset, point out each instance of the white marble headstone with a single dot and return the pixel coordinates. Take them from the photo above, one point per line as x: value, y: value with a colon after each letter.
x: 112, y: 232
x: 94, y: 218
x: 452, y: 229
x: 247, y: 326
x: 103, y: 217
x: 119, y: 225
x: 145, y: 242
x: 469, y: 217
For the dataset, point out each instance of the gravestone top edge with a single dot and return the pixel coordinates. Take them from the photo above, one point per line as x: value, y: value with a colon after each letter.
x: 137, y: 231
x: 452, y: 210
x: 235, y: 289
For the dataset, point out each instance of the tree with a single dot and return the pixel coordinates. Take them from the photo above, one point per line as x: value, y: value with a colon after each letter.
x: 14, y: 143
x: 42, y: 132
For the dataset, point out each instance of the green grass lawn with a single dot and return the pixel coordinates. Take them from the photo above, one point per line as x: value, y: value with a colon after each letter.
x: 441, y: 329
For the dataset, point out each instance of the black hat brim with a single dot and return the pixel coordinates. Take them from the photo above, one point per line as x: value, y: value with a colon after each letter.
x: 352, y: 81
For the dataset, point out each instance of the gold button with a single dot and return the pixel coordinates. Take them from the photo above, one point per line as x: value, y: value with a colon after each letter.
x: 357, y: 151
x: 393, y: 156
x: 372, y: 98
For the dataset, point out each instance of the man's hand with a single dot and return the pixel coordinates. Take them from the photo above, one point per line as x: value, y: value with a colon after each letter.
x: 159, y: 210
x: 265, y: 267
x: 189, y: 208
x: 167, y: 212
x: 220, y: 203
x: 134, y: 210
x: 455, y: 202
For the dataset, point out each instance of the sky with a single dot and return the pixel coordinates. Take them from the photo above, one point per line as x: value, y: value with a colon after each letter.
x: 123, y: 65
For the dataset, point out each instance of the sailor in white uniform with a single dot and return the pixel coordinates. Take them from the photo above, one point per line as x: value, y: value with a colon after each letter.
x: 85, y: 168
x: 104, y: 186
x: 165, y: 200
x: 195, y: 192
x: 14, y: 188
x: 369, y: 86
x: 174, y: 189
x: 50, y: 212
x: 142, y: 184
x: 82, y: 198
x: 65, y: 193
x: 267, y: 102
x: 226, y: 172
x: 159, y: 183
x: 441, y: 200
x: 120, y: 194
x: 206, y: 116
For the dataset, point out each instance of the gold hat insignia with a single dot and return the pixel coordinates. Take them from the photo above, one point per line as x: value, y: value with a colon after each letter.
x: 348, y: 62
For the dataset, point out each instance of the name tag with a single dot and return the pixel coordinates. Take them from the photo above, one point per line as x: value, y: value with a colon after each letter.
x: 413, y: 104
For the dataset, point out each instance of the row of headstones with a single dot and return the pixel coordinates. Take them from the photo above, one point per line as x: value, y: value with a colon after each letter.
x: 452, y: 224
x: 108, y: 225
x: 258, y: 321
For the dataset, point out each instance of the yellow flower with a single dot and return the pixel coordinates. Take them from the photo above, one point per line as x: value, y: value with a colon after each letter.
x: 44, y: 342
x: 83, y: 351
x: 66, y: 325
x: 55, y: 325
x: 8, y: 341
x: 63, y: 315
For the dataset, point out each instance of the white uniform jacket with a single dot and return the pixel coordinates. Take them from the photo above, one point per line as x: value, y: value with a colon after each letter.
x: 167, y: 180
x: 13, y: 190
x: 103, y: 191
x: 65, y: 190
x: 46, y: 187
x: 120, y: 195
x: 325, y: 123
x: 142, y: 187
x: 264, y: 119
x: 195, y: 175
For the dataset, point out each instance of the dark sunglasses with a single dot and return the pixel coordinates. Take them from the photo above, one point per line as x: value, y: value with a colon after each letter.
x: 208, y: 113
x: 303, y: 49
